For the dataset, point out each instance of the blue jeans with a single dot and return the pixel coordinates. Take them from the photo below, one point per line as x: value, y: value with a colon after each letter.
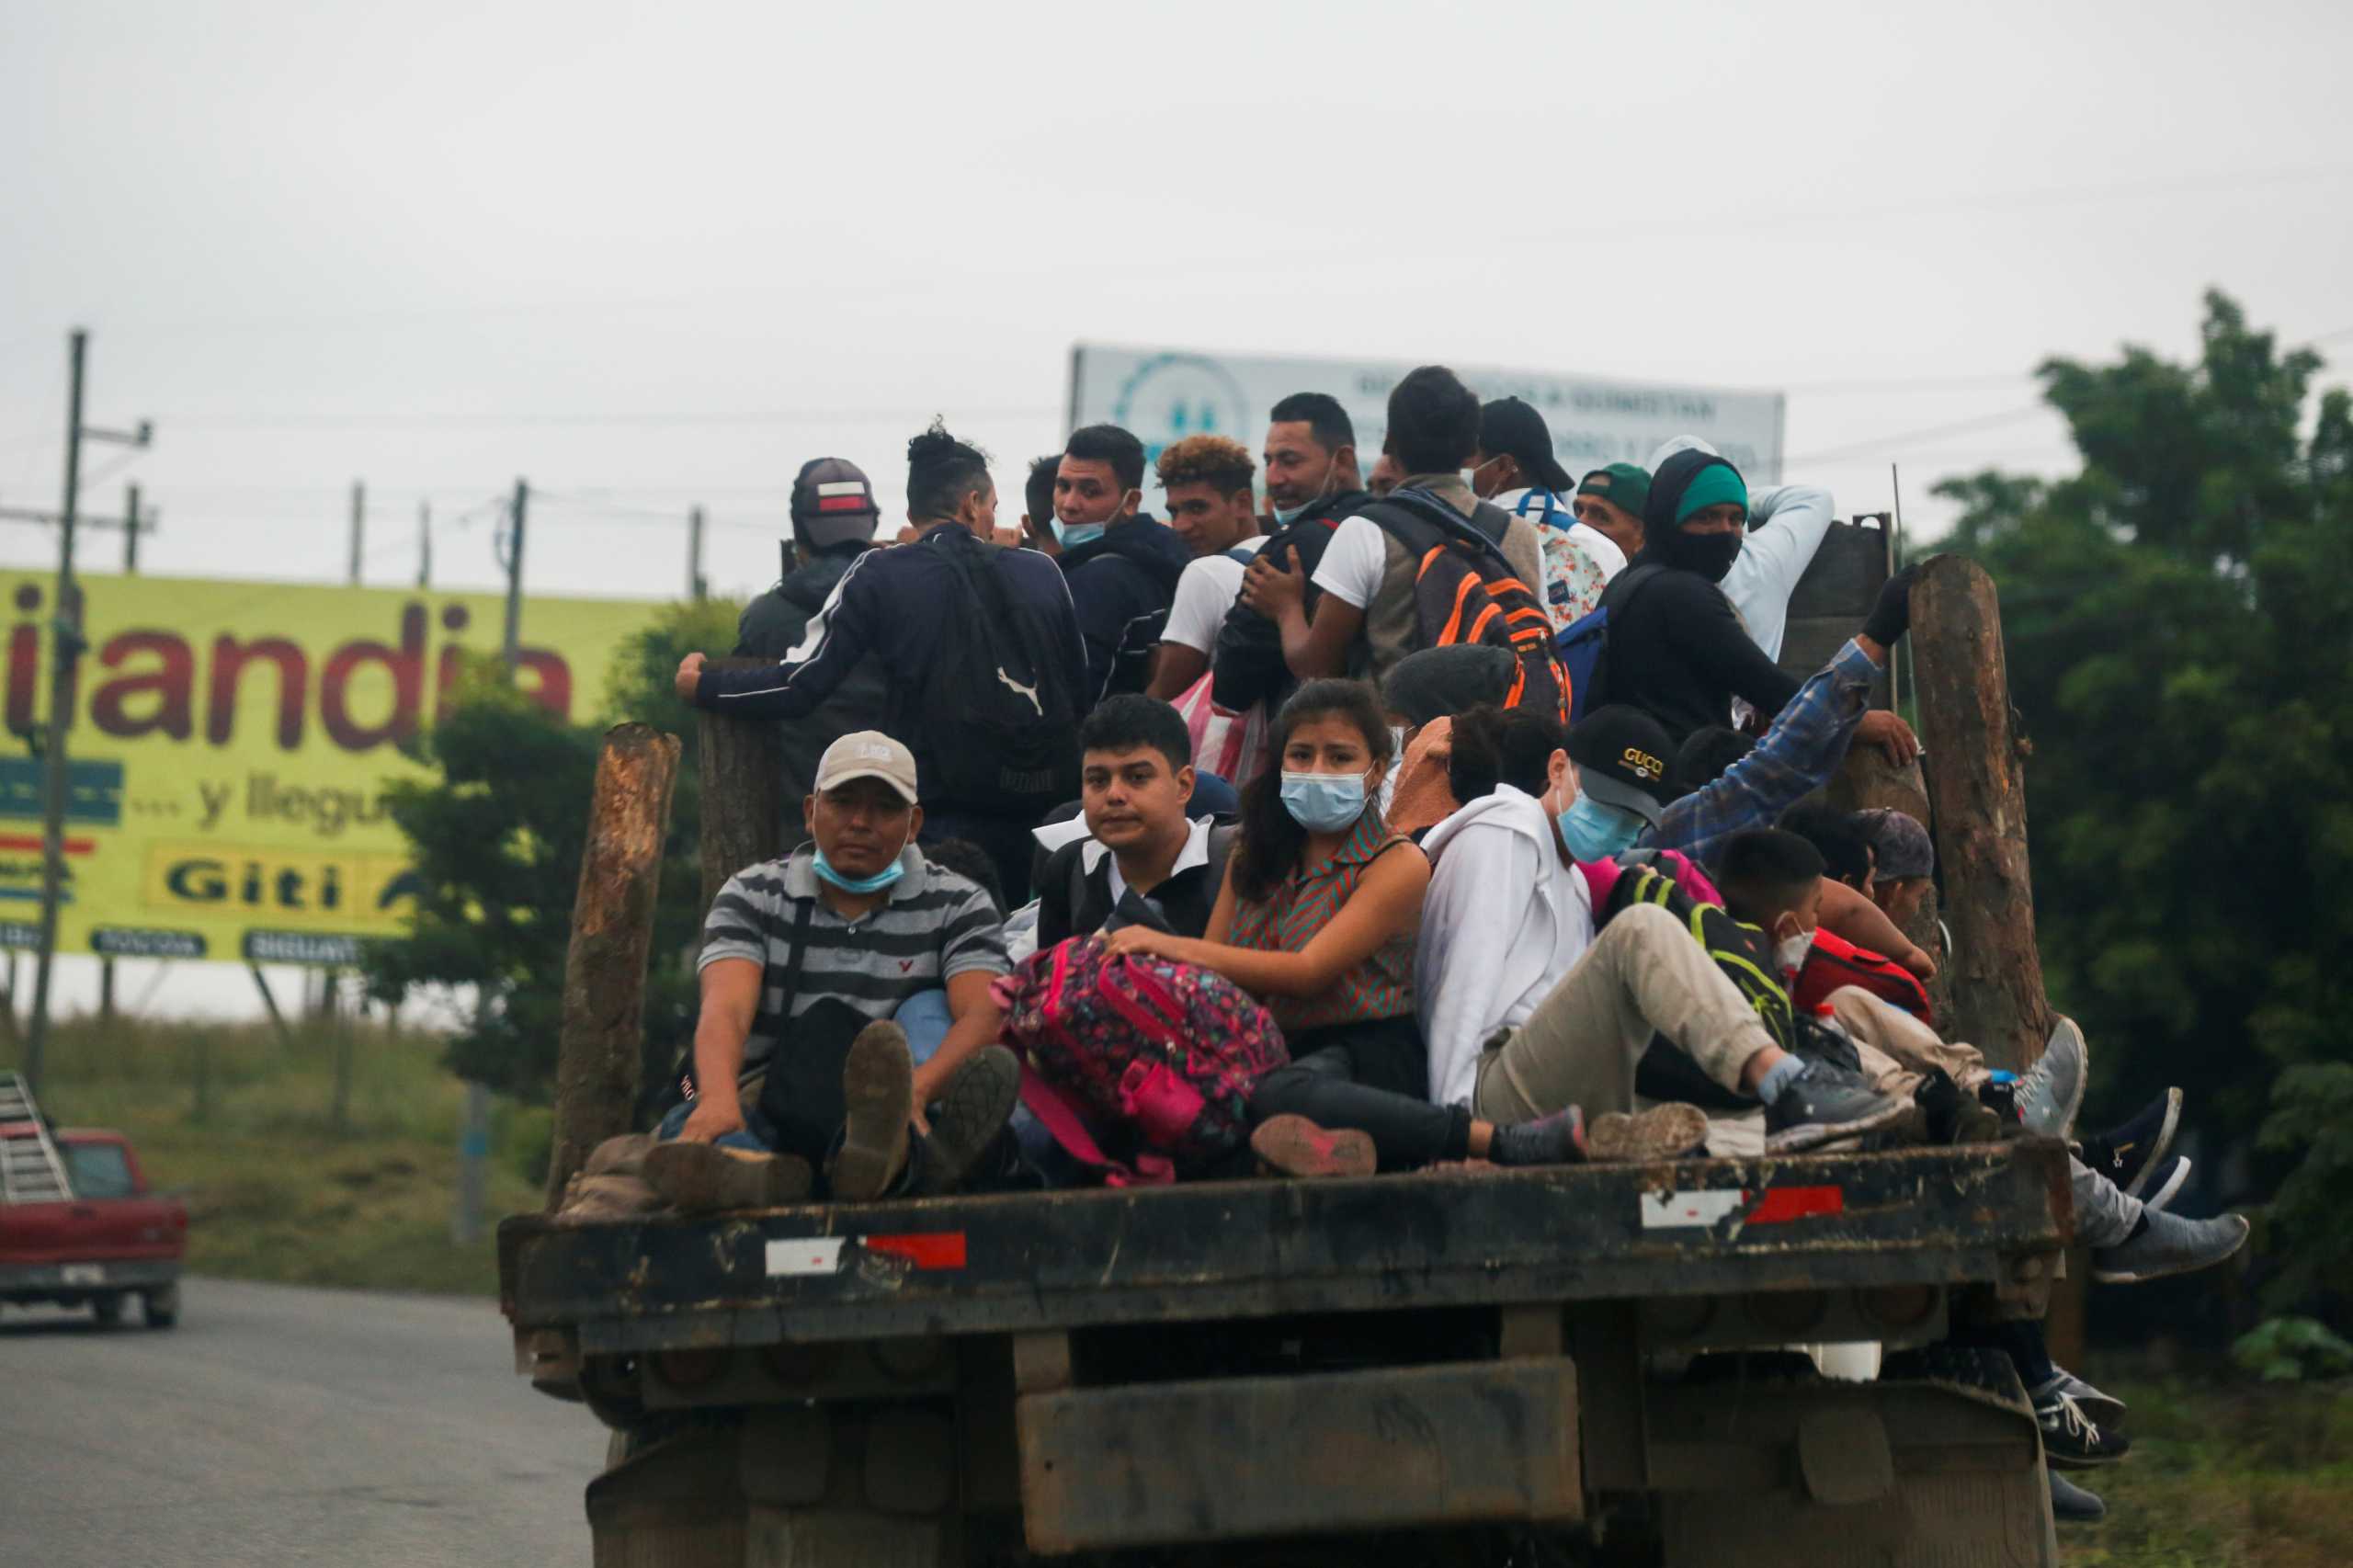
x: 756, y: 1137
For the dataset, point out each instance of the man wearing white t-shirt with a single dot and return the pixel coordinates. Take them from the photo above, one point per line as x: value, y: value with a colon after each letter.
x: 1514, y: 467
x: 1360, y: 624
x: 1213, y: 509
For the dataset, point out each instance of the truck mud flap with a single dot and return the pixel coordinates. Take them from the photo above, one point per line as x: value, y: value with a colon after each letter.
x: 1236, y: 1458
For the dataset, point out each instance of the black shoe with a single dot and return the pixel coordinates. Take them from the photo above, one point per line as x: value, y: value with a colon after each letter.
x: 971, y: 1111
x: 2070, y: 1504
x: 1824, y: 1105
x: 2105, y: 1409
x: 2072, y: 1440
x: 2127, y: 1154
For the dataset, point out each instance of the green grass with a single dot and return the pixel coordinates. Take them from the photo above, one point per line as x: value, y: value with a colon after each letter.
x: 242, y: 1122
x: 2223, y: 1473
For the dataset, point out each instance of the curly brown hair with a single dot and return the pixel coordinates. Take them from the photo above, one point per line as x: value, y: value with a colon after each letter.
x: 1207, y: 460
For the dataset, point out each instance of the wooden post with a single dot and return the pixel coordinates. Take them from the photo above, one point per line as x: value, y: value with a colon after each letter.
x: 597, y: 1062
x: 742, y: 764
x: 1976, y: 779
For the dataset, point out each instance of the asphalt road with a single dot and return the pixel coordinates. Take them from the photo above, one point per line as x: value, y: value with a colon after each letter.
x: 277, y: 1425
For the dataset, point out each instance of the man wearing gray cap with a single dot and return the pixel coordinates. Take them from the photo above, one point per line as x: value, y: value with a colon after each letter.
x: 833, y: 516
x: 1902, y: 862
x: 800, y: 1069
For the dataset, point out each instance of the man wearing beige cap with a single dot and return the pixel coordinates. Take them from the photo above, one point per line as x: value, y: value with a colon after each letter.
x: 805, y: 959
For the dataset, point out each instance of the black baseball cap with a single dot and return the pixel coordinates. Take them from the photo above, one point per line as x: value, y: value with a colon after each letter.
x: 833, y: 503
x: 1511, y: 425
x: 1622, y: 755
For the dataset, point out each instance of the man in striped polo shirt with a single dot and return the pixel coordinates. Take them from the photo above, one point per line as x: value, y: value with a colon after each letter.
x: 805, y: 960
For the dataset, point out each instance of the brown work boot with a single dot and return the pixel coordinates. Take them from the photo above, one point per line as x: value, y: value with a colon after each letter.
x: 1662, y: 1132
x: 624, y: 1155
x: 968, y: 1116
x: 1294, y: 1146
x: 878, y: 1092
x: 699, y: 1179
x: 608, y: 1196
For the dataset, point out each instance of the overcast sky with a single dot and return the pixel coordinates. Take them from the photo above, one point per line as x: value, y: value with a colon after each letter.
x: 654, y: 255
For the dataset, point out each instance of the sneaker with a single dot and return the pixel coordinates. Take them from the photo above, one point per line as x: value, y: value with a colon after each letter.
x: 2168, y: 1176
x: 1294, y: 1146
x: 1662, y: 1132
x: 2072, y: 1440
x: 1824, y: 1105
x: 1949, y: 1116
x: 2051, y: 1091
x: 2169, y: 1245
x: 606, y: 1196
x: 2127, y: 1154
x: 968, y: 1116
x: 700, y: 1178
x: 2104, y: 1408
x: 2072, y: 1505
x: 879, y: 1095
x: 1554, y: 1139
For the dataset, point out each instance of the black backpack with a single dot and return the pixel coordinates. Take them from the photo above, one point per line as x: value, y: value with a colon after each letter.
x: 999, y: 721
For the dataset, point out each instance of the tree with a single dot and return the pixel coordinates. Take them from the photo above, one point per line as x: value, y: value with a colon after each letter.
x: 497, y: 838
x: 2176, y: 617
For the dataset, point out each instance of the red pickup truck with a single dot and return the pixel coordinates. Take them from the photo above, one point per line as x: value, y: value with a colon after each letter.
x: 110, y: 1239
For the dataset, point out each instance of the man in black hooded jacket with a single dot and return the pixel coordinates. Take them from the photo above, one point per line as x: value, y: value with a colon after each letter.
x: 833, y: 516
x: 1121, y: 564
x: 1676, y: 650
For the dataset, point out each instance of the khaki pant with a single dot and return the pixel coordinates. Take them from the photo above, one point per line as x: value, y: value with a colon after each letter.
x: 1644, y: 973
x: 1898, y: 1050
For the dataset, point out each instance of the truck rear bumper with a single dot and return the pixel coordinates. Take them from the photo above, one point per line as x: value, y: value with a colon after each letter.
x: 1236, y: 1458
x: 72, y: 1281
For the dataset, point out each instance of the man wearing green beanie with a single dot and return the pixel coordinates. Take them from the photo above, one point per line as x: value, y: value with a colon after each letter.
x: 1609, y: 502
x: 1676, y: 649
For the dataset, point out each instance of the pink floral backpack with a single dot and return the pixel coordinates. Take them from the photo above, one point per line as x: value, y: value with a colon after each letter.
x: 1171, y: 1051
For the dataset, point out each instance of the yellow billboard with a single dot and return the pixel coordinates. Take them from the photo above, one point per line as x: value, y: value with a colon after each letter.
x: 230, y: 747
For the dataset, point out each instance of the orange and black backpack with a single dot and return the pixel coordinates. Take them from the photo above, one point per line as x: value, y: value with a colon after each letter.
x: 1466, y: 591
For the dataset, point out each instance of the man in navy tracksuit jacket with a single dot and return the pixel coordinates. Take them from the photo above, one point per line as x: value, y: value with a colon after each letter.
x: 878, y: 608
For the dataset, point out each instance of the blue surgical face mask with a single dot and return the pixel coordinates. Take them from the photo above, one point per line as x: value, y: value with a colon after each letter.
x: 1595, y: 832
x: 1073, y: 535
x: 875, y: 883
x: 1285, y: 515
x: 1324, y: 802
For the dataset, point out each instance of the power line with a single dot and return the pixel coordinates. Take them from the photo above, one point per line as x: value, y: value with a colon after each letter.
x: 258, y: 421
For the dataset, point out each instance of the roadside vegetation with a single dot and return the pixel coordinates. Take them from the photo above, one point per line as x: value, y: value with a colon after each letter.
x: 245, y: 1123
x: 2225, y: 1473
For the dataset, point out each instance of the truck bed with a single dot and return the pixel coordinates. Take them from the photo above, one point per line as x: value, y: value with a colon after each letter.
x: 1022, y: 1263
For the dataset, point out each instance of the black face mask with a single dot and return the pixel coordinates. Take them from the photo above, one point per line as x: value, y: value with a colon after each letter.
x: 1709, y: 555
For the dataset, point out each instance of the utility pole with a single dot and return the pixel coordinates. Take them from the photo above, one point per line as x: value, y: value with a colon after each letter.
x: 131, y: 531
x: 694, y: 555
x: 65, y: 650
x: 358, y: 525
x: 513, y: 643
x: 473, y: 1130
x: 424, y: 545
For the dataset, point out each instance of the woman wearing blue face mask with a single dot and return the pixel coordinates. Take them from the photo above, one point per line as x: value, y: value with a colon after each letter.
x: 1318, y: 917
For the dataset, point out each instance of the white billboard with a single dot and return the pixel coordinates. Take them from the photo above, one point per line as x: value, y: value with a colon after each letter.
x: 1165, y: 394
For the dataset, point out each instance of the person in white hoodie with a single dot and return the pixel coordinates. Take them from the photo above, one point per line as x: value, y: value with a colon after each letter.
x: 1526, y: 1010
x: 1786, y: 528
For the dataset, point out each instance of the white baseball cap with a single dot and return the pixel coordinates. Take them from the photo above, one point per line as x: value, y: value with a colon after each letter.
x: 867, y: 754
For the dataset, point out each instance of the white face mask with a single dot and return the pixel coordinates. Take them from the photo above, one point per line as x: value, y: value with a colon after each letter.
x: 1789, y: 951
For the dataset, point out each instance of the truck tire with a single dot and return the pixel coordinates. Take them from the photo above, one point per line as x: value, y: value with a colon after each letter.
x: 161, y: 1306
x: 106, y: 1308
